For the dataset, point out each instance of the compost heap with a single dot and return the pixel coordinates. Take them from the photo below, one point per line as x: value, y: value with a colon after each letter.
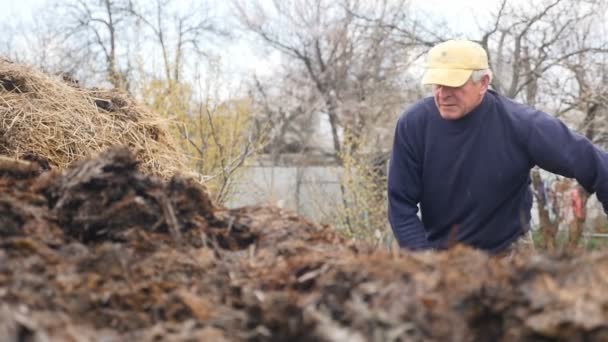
x: 101, y: 251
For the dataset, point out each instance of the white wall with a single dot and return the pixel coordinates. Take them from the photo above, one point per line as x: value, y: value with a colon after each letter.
x: 311, y: 191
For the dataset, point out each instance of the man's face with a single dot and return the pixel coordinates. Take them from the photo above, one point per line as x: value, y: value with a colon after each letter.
x: 455, y: 102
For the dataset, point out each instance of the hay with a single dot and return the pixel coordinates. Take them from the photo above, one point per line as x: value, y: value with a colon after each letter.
x: 61, y: 122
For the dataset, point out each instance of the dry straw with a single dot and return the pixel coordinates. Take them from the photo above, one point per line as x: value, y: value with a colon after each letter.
x: 56, y: 119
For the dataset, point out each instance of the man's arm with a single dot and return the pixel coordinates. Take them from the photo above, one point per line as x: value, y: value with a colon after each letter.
x: 555, y: 148
x: 404, y: 191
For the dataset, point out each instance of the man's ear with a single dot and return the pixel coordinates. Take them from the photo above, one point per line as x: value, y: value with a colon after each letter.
x: 485, y: 82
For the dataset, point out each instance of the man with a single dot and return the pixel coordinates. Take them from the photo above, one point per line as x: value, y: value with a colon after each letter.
x: 464, y: 155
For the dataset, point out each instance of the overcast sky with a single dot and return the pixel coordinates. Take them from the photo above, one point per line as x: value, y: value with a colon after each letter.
x: 458, y: 13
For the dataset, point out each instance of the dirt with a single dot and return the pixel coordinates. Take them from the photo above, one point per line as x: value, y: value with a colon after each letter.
x: 102, y: 252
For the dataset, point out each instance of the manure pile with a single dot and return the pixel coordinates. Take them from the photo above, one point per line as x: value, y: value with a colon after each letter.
x: 102, y: 252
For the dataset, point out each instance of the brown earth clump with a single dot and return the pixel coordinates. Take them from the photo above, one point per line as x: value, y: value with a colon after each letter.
x: 57, y: 120
x: 102, y: 252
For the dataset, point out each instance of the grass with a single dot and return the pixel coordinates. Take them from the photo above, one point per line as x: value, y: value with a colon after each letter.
x: 586, y: 243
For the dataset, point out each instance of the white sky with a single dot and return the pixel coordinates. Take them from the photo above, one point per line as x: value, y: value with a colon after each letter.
x: 458, y: 13
x: 18, y: 9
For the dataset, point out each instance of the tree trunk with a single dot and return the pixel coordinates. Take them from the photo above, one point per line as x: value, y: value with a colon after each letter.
x: 547, y: 229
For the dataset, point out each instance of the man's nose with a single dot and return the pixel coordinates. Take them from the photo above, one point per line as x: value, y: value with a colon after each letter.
x: 443, y: 90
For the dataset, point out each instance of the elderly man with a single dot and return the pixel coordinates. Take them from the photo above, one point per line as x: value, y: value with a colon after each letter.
x: 464, y: 155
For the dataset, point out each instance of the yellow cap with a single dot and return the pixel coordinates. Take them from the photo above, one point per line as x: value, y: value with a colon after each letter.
x: 451, y: 63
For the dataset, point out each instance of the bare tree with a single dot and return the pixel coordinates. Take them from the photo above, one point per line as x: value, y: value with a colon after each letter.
x: 177, y: 33
x: 94, y: 34
x: 351, y: 64
x: 291, y: 109
x: 527, y: 44
x: 119, y: 38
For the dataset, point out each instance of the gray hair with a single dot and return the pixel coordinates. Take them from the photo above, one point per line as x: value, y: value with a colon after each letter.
x: 479, y: 74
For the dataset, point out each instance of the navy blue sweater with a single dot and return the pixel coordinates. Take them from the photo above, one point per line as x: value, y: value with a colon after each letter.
x: 471, y: 177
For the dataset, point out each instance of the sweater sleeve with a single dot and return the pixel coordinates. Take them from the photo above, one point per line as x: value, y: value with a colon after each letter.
x: 404, y: 191
x: 553, y: 147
